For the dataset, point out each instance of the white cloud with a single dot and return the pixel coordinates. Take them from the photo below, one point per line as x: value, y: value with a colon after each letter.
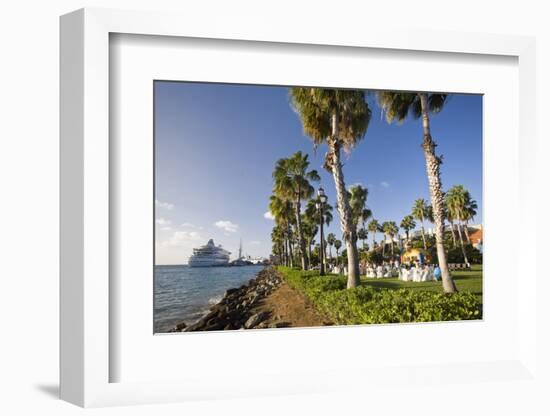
x: 190, y: 225
x: 254, y: 243
x: 227, y: 226
x: 162, y: 221
x: 385, y: 184
x: 268, y: 215
x: 180, y: 238
x: 165, y: 205
x: 166, y: 228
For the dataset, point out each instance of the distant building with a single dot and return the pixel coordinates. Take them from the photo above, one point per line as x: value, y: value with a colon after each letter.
x: 475, y: 235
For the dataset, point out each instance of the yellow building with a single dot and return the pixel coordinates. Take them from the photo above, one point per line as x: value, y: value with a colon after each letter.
x: 412, y: 255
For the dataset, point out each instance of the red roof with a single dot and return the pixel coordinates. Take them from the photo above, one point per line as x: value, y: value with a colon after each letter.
x: 476, y: 236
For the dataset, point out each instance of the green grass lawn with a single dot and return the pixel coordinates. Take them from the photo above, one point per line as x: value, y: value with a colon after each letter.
x: 465, y: 281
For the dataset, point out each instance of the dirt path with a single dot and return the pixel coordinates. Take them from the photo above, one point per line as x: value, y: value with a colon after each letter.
x: 288, y: 308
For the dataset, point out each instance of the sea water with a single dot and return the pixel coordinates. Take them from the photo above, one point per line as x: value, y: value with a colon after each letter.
x: 184, y: 294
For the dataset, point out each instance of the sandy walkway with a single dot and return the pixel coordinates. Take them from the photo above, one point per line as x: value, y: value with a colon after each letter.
x: 288, y: 308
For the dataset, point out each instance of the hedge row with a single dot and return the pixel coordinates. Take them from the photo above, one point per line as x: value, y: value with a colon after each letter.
x: 366, y: 305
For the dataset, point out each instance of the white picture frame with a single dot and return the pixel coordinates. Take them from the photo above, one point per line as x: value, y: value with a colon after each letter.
x: 86, y: 263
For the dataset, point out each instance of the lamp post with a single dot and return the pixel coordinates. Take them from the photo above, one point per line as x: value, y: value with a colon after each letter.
x: 322, y: 199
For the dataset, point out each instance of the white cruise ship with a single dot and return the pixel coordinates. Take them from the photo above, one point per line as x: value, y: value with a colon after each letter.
x: 209, y: 255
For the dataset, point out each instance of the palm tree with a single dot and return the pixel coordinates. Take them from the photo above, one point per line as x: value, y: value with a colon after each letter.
x: 357, y: 196
x: 459, y: 204
x: 366, y: 214
x: 396, y: 106
x: 331, y: 238
x: 448, y: 215
x: 312, y: 216
x: 309, y: 229
x: 373, y: 228
x: 408, y: 223
x: 420, y: 212
x: 340, y: 118
x: 471, y: 212
x: 277, y: 237
x: 337, y: 246
x: 390, y: 229
x: 282, y: 211
x: 362, y: 235
x: 453, y: 198
x: 291, y: 182
x: 468, y: 212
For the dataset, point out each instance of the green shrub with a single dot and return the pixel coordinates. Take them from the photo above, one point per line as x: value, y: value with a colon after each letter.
x: 366, y: 305
x: 455, y: 255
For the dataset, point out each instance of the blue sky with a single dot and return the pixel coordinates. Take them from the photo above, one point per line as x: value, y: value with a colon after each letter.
x: 216, y: 145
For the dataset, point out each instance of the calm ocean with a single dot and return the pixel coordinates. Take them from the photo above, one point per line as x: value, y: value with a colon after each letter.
x: 185, y: 293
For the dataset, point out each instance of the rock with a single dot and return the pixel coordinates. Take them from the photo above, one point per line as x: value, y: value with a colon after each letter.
x: 213, y: 326
x: 181, y: 326
x: 256, y: 319
x: 230, y: 291
x: 194, y: 327
x: 280, y: 325
x: 219, y: 308
x: 233, y: 315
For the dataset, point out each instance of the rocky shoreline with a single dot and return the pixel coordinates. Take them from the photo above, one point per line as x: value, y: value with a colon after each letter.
x: 236, y: 309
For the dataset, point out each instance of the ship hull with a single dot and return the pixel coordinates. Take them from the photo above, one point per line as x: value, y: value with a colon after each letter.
x: 203, y: 262
x: 208, y: 264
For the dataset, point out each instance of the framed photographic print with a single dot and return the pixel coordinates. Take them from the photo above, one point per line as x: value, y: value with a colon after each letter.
x: 227, y: 198
x: 253, y: 178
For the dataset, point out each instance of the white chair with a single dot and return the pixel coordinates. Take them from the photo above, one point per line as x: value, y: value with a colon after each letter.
x: 404, y: 275
x: 424, y: 275
x: 430, y: 275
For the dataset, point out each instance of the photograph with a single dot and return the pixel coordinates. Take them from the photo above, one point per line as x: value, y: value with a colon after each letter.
x: 301, y: 206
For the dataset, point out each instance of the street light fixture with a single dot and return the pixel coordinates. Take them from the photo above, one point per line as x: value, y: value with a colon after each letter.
x: 321, y: 201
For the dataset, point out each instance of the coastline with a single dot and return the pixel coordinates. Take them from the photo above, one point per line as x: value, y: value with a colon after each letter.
x: 264, y: 302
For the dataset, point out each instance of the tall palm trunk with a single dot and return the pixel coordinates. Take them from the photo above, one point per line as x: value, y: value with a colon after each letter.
x: 302, y: 241
x: 383, y: 246
x: 423, y: 233
x: 460, y: 230
x: 392, y: 253
x: 453, y: 232
x: 373, y: 241
x: 462, y: 244
x: 346, y: 222
x: 434, y: 179
x: 289, y: 251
